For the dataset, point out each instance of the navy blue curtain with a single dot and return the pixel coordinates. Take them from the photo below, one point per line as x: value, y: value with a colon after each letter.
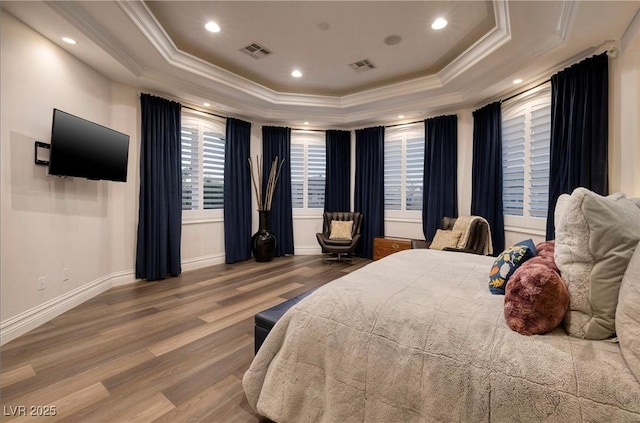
x: 579, y: 131
x: 237, y: 191
x: 440, y: 195
x: 337, y: 183
x: 160, y: 212
x: 369, y: 187
x: 276, y: 141
x: 486, y: 184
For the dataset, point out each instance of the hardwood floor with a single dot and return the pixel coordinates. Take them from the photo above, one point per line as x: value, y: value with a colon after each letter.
x: 167, y: 351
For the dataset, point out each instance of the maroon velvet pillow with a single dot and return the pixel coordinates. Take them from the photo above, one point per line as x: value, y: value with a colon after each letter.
x: 545, y: 254
x: 536, y: 297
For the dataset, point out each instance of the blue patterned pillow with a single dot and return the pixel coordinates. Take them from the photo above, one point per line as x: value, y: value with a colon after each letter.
x: 507, y: 263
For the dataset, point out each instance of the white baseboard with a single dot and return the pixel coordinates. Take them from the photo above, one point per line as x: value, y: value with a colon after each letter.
x: 28, y: 320
x: 124, y: 277
x: 307, y: 250
x: 203, y: 261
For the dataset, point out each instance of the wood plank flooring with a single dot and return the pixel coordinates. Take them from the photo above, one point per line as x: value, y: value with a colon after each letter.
x: 166, y: 351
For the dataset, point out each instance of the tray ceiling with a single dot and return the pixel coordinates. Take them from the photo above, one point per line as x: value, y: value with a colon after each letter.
x: 162, y: 47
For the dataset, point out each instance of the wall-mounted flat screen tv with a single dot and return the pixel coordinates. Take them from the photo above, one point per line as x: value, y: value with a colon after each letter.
x: 85, y: 149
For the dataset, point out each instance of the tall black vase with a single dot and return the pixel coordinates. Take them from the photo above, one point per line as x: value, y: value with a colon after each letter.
x: 263, y: 242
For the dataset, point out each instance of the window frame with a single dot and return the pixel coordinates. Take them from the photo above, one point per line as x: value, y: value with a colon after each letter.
x: 306, y: 138
x: 404, y: 133
x: 524, y: 105
x: 202, y: 122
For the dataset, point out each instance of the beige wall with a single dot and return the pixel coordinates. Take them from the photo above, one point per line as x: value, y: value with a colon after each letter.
x: 624, y: 112
x: 51, y: 223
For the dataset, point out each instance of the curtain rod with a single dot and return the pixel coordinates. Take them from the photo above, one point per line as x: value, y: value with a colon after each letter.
x: 525, y: 91
x: 309, y: 130
x: 306, y: 129
x: 208, y: 113
x: 402, y: 124
x: 226, y: 117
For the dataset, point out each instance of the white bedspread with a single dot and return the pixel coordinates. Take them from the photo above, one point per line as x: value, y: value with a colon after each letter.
x: 417, y: 337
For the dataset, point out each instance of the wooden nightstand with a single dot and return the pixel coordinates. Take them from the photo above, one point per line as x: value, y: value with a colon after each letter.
x: 385, y: 245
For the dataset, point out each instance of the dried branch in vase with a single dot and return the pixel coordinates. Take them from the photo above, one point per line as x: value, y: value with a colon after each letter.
x: 264, y: 201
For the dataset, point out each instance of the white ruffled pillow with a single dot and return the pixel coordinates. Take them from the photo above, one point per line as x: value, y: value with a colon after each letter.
x: 628, y: 315
x: 595, y: 239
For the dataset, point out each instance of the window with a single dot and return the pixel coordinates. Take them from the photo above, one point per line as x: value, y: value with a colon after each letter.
x: 308, y: 170
x: 403, y: 169
x: 393, y: 174
x: 526, y: 131
x: 202, y: 159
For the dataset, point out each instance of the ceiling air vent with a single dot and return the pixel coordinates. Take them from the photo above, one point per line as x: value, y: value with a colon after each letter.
x: 362, y: 66
x: 256, y: 51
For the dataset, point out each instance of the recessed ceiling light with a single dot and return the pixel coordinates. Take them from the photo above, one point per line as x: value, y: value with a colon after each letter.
x: 439, y: 23
x: 517, y: 81
x: 206, y: 104
x: 211, y: 26
x: 400, y: 116
x: 69, y: 40
x: 296, y: 73
x: 306, y: 123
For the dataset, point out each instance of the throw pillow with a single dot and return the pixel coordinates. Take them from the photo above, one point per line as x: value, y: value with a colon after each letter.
x: 628, y: 315
x: 445, y: 239
x: 595, y: 239
x: 507, y: 263
x: 536, y: 299
x: 545, y: 254
x: 341, y: 230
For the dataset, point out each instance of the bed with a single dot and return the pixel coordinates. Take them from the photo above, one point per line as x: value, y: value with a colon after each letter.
x: 417, y: 337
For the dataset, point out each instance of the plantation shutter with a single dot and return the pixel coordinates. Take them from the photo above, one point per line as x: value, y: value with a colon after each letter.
x: 190, y: 170
x: 213, y: 170
x: 393, y: 174
x: 414, y: 172
x: 513, y: 133
x: 316, y: 172
x: 297, y: 175
x: 540, y: 161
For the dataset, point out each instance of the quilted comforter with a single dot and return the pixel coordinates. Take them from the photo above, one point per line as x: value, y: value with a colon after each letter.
x: 417, y: 337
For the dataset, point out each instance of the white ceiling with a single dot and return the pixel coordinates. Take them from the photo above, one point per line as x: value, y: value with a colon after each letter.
x: 356, y: 31
x: 163, y: 48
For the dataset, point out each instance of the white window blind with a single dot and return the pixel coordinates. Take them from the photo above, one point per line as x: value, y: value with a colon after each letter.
x: 403, y: 170
x: 526, y: 131
x: 202, y: 161
x: 414, y: 172
x: 189, y: 161
x: 540, y: 153
x: 316, y: 175
x: 297, y: 176
x: 513, y: 165
x: 393, y: 174
x: 213, y: 170
x: 308, y: 170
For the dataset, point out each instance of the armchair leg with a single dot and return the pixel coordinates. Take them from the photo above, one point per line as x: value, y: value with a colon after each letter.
x: 339, y: 257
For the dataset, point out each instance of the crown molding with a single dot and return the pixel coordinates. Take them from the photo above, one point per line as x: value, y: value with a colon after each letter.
x: 228, y: 82
x: 490, y: 42
x: 141, y: 16
x: 565, y: 19
x: 73, y: 13
x: 242, y: 96
x: 632, y: 30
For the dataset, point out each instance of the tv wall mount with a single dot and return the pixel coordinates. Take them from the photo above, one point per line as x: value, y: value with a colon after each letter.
x: 39, y: 145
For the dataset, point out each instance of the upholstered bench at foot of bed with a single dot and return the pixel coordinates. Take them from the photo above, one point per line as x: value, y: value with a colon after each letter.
x: 266, y: 319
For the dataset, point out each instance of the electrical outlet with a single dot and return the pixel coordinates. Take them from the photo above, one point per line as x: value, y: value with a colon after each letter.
x: 65, y: 274
x: 41, y: 281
